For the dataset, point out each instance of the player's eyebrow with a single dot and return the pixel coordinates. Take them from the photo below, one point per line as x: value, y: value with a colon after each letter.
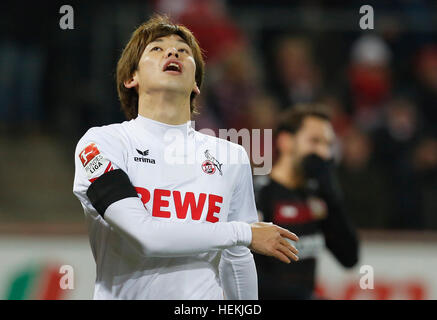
x: 179, y: 40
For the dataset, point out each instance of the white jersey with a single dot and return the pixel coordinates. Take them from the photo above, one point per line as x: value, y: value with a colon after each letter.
x: 181, y: 176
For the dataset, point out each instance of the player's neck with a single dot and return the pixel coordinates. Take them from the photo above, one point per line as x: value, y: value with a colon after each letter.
x: 284, y: 173
x: 165, y: 107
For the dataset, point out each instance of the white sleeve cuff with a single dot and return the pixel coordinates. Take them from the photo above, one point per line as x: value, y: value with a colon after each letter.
x: 244, y: 233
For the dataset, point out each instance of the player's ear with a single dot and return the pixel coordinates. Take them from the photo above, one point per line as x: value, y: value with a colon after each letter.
x: 196, y: 89
x: 132, y: 82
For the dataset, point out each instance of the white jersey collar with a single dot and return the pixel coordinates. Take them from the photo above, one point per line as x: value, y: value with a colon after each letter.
x: 160, y: 128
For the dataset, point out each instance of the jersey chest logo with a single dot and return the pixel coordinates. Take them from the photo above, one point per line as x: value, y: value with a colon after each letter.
x: 144, y: 157
x: 208, y: 167
x: 211, y: 164
x: 290, y: 212
x: 183, y: 203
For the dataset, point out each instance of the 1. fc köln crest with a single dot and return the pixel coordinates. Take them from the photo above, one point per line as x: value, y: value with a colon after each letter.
x: 211, y: 165
x: 208, y: 167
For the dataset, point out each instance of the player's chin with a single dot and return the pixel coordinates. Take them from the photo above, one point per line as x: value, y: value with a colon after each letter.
x: 175, y: 83
x: 175, y: 87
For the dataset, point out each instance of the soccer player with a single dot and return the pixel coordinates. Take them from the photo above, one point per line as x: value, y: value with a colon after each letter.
x: 302, y: 194
x: 170, y: 214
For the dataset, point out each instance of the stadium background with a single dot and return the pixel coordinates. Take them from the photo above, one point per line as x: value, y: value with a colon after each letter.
x: 262, y: 57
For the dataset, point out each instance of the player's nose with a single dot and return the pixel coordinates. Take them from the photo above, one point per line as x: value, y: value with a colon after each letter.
x: 172, y: 52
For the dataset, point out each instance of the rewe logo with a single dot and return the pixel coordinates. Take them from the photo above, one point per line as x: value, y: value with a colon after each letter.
x: 143, y: 159
x: 184, y: 204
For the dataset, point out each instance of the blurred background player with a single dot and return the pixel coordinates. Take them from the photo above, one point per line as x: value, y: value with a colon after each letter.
x: 302, y: 194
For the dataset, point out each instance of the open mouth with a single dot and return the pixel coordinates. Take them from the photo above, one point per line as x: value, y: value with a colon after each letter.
x: 173, y: 67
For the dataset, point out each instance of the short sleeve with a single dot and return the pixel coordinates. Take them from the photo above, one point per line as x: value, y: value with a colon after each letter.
x: 243, y: 207
x: 97, y: 152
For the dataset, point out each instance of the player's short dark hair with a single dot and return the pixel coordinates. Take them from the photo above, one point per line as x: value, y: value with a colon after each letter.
x: 291, y: 120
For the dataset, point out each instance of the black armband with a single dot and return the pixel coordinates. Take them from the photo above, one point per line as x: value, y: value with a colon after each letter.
x: 111, y: 187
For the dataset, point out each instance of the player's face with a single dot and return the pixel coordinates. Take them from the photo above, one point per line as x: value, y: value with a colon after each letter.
x: 315, y: 136
x: 167, y: 63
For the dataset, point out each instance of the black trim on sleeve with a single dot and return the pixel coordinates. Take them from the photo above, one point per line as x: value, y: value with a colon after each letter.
x: 111, y: 187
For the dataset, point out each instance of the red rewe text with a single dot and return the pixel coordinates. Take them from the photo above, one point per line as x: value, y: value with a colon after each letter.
x: 182, y: 203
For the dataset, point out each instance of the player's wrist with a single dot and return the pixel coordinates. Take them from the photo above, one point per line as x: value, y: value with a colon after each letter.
x: 243, y: 232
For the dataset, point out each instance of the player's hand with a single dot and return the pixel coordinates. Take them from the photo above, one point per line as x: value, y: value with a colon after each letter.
x: 270, y: 240
x: 321, y: 171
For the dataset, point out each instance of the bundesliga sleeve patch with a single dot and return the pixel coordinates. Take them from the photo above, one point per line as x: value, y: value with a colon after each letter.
x: 94, y: 163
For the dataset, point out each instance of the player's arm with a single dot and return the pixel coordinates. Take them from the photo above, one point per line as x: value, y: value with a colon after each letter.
x: 112, y: 196
x: 340, y: 235
x: 237, y: 267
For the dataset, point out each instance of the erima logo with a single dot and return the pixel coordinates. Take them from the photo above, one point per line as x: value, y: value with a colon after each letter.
x: 143, y: 153
x: 142, y: 159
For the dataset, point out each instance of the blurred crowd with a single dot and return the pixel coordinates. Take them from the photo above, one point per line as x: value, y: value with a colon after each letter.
x: 380, y: 86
